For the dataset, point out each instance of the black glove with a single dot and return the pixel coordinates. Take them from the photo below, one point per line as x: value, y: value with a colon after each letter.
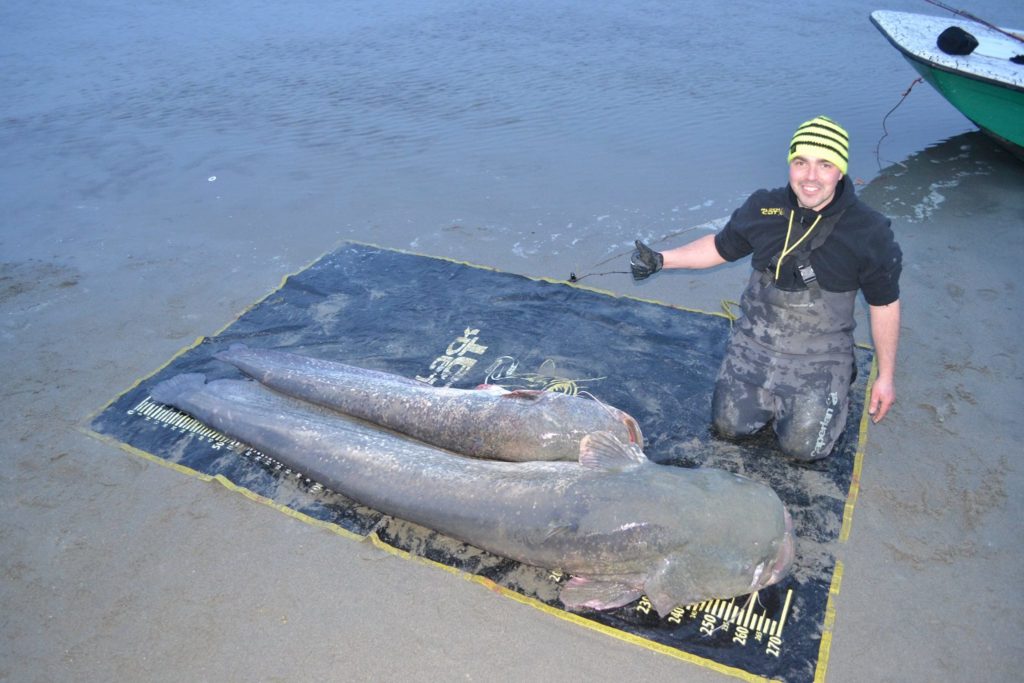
x: 645, y: 262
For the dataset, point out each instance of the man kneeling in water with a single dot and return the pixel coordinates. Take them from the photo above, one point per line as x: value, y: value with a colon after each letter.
x: 814, y: 245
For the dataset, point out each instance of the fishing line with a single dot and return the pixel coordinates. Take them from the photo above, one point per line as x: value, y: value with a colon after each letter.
x: 713, y: 224
x: 971, y: 17
x: 728, y: 312
x: 573, y: 277
x: 885, y: 130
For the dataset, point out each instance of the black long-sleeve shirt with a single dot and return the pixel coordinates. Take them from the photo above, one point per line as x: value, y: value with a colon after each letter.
x: 860, y: 253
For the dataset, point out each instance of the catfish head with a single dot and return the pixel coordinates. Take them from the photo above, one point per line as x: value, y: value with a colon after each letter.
x: 695, y: 534
x: 685, y: 578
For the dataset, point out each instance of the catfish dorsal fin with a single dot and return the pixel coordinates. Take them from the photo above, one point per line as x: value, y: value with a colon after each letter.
x: 524, y: 394
x: 604, y: 451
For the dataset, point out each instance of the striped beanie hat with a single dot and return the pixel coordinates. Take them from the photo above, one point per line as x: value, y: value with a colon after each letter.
x: 823, y: 138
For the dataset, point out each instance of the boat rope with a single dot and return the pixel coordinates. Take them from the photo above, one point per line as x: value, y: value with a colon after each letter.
x: 971, y: 17
x: 885, y: 131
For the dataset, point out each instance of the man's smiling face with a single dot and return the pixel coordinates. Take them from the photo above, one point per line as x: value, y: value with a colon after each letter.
x: 813, y: 180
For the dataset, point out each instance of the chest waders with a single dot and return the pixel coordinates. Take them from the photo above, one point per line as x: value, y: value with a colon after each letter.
x: 790, y: 360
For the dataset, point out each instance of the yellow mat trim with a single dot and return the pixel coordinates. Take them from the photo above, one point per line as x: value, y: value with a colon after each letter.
x: 830, y: 619
x: 858, y: 458
x: 551, y: 280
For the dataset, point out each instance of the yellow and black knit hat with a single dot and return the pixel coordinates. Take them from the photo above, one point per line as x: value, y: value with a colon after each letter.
x: 823, y: 138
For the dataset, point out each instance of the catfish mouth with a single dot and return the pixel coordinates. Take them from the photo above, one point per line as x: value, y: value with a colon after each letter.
x: 773, y: 571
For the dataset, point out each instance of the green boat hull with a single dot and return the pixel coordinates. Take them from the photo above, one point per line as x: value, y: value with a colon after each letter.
x: 995, y: 108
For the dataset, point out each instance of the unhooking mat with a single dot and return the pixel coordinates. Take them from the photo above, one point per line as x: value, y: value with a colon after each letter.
x: 452, y: 324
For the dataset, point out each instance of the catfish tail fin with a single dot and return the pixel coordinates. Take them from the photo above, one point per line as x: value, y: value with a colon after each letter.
x: 171, y: 391
x: 235, y: 348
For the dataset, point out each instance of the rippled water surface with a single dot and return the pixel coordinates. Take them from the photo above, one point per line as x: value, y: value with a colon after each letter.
x: 528, y: 123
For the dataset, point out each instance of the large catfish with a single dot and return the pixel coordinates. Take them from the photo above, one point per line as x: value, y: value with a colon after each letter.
x: 618, y: 523
x: 486, y: 422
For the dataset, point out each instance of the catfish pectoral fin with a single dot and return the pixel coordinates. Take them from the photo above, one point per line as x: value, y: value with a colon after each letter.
x: 604, y: 451
x: 597, y: 594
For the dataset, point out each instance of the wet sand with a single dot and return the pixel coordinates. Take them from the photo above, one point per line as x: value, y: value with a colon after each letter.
x: 117, y: 568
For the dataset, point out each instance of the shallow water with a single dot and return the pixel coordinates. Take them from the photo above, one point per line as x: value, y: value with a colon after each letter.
x: 520, y: 128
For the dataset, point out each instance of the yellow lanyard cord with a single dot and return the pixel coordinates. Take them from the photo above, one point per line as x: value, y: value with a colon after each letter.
x: 786, y: 249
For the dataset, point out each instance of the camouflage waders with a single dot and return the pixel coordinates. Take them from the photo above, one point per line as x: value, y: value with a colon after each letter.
x: 790, y: 359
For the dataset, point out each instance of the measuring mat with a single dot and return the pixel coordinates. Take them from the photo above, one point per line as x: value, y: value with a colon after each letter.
x: 452, y: 324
